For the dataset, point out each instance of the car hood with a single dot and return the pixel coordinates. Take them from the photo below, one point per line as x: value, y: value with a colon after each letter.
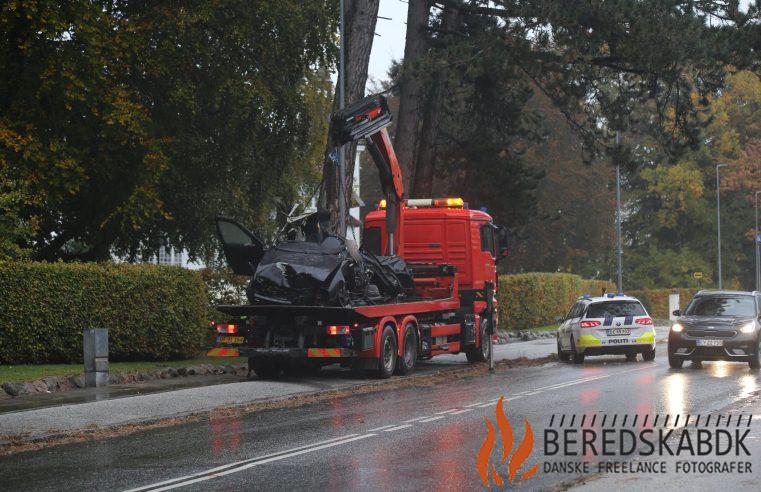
x: 718, y: 322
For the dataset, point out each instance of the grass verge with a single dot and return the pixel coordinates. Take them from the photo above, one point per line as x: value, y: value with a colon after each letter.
x: 31, y: 372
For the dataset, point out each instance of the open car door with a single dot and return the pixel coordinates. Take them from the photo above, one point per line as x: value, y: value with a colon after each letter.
x: 243, y: 250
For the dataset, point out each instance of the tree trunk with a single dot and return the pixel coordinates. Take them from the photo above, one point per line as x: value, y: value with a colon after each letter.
x: 360, y: 16
x: 411, y: 90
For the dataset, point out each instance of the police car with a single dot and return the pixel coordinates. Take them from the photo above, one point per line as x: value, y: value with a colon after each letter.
x: 611, y: 324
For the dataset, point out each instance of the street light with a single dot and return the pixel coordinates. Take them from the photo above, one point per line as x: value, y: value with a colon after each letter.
x: 718, y: 218
x: 619, y: 247
x: 756, y: 245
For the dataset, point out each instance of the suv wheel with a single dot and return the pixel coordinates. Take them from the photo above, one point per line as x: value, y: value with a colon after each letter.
x: 674, y: 361
x: 649, y: 354
x: 755, y: 360
x: 576, y: 357
x: 631, y: 356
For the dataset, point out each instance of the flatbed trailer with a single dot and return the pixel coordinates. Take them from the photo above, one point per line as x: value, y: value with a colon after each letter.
x: 383, y: 338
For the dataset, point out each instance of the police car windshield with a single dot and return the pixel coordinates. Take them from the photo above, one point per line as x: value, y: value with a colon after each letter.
x: 742, y: 306
x: 615, y: 309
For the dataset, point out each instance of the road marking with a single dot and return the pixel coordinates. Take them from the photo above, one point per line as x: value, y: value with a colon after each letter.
x: 431, y: 419
x: 243, y: 464
x: 398, y: 427
x: 461, y: 411
x: 416, y: 419
x: 381, y: 428
x: 474, y: 404
x: 446, y: 411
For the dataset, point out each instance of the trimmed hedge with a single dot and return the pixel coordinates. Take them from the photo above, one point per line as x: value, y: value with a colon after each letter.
x: 529, y: 300
x: 152, y: 312
x: 657, y: 300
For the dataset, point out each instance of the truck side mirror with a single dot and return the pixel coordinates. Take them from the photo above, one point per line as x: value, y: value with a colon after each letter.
x: 677, y: 313
x: 503, y: 252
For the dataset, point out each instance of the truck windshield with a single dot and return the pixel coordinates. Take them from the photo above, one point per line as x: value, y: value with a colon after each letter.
x: 721, y: 306
x: 615, y: 309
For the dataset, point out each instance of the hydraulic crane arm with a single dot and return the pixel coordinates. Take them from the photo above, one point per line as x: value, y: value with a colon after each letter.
x: 368, y: 119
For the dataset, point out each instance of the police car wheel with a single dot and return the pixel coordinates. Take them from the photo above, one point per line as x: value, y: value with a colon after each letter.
x: 564, y: 356
x: 648, y: 354
x: 576, y: 357
x: 631, y: 356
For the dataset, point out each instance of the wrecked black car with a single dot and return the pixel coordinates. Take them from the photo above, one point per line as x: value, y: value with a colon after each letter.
x: 323, y: 270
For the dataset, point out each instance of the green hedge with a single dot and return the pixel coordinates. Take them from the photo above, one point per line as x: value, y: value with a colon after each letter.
x: 657, y: 300
x: 152, y: 312
x: 529, y: 300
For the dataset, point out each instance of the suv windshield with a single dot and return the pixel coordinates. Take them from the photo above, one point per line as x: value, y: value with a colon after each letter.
x: 615, y: 309
x: 722, y: 306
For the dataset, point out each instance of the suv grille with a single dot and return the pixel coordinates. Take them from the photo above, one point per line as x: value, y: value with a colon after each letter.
x: 712, y: 333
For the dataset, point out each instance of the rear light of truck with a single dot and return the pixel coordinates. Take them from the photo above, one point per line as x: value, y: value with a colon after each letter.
x: 339, y: 330
x: 644, y: 321
x: 589, y: 324
x: 227, y: 328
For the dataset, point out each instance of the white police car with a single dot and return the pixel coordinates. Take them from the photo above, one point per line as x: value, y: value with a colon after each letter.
x: 612, y: 324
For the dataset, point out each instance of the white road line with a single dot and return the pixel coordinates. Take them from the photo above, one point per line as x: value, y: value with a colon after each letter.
x: 461, y: 411
x: 431, y: 419
x: 416, y: 419
x: 238, y: 463
x: 209, y: 474
x: 474, y: 404
x: 381, y: 428
x: 398, y: 427
x: 446, y: 411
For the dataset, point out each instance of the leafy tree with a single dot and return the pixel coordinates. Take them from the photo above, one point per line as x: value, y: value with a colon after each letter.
x: 127, y: 125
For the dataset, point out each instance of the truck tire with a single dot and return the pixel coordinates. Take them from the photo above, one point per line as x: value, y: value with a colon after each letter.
x: 388, y: 358
x: 406, y: 364
x: 480, y: 353
x: 265, y: 368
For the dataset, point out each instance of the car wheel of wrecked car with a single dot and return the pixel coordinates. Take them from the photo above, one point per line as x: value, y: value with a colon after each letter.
x: 480, y: 353
x: 406, y: 364
x: 265, y: 368
x: 387, y: 361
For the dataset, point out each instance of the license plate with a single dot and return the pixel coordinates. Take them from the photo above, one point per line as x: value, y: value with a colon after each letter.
x: 709, y: 343
x: 619, y: 331
x: 232, y: 340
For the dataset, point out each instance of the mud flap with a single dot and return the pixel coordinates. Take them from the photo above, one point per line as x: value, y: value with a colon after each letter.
x: 489, y: 293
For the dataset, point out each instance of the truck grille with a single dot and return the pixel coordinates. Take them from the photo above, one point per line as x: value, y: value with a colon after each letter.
x: 711, y: 333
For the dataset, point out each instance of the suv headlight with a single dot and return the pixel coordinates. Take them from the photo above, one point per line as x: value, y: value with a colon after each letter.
x: 748, y: 327
x: 677, y: 328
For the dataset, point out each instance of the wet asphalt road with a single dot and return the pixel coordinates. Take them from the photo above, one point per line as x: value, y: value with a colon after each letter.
x: 365, y: 442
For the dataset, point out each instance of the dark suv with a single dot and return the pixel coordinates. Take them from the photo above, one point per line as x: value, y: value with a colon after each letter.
x: 717, y: 325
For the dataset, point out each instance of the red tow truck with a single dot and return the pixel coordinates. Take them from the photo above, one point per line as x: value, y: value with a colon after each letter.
x: 450, y: 306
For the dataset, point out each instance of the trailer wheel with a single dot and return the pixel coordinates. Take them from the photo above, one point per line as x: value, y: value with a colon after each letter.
x: 481, y: 352
x: 406, y: 364
x: 387, y: 361
x: 265, y: 368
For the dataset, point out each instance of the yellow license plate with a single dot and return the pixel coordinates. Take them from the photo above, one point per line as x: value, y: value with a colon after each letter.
x: 233, y: 340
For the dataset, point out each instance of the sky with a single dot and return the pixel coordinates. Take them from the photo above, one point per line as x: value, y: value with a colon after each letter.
x: 389, y: 45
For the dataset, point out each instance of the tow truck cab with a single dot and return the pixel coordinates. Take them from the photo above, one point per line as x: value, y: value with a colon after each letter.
x: 443, y: 231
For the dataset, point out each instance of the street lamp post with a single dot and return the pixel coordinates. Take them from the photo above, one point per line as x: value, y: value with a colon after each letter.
x: 755, y: 246
x: 718, y: 219
x: 619, y: 247
x: 341, y: 102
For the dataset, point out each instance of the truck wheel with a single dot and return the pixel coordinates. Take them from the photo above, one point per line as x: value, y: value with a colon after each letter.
x: 480, y: 353
x: 387, y: 361
x: 265, y: 368
x: 406, y: 364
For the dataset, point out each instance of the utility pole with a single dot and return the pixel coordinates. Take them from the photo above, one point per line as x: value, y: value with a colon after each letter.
x: 718, y: 219
x: 756, y: 246
x: 619, y: 247
x: 341, y: 153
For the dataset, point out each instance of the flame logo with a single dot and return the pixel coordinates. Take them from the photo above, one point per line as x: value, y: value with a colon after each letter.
x: 488, y: 471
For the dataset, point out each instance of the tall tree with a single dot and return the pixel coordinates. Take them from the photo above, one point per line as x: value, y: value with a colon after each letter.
x: 360, y: 17
x: 128, y: 125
